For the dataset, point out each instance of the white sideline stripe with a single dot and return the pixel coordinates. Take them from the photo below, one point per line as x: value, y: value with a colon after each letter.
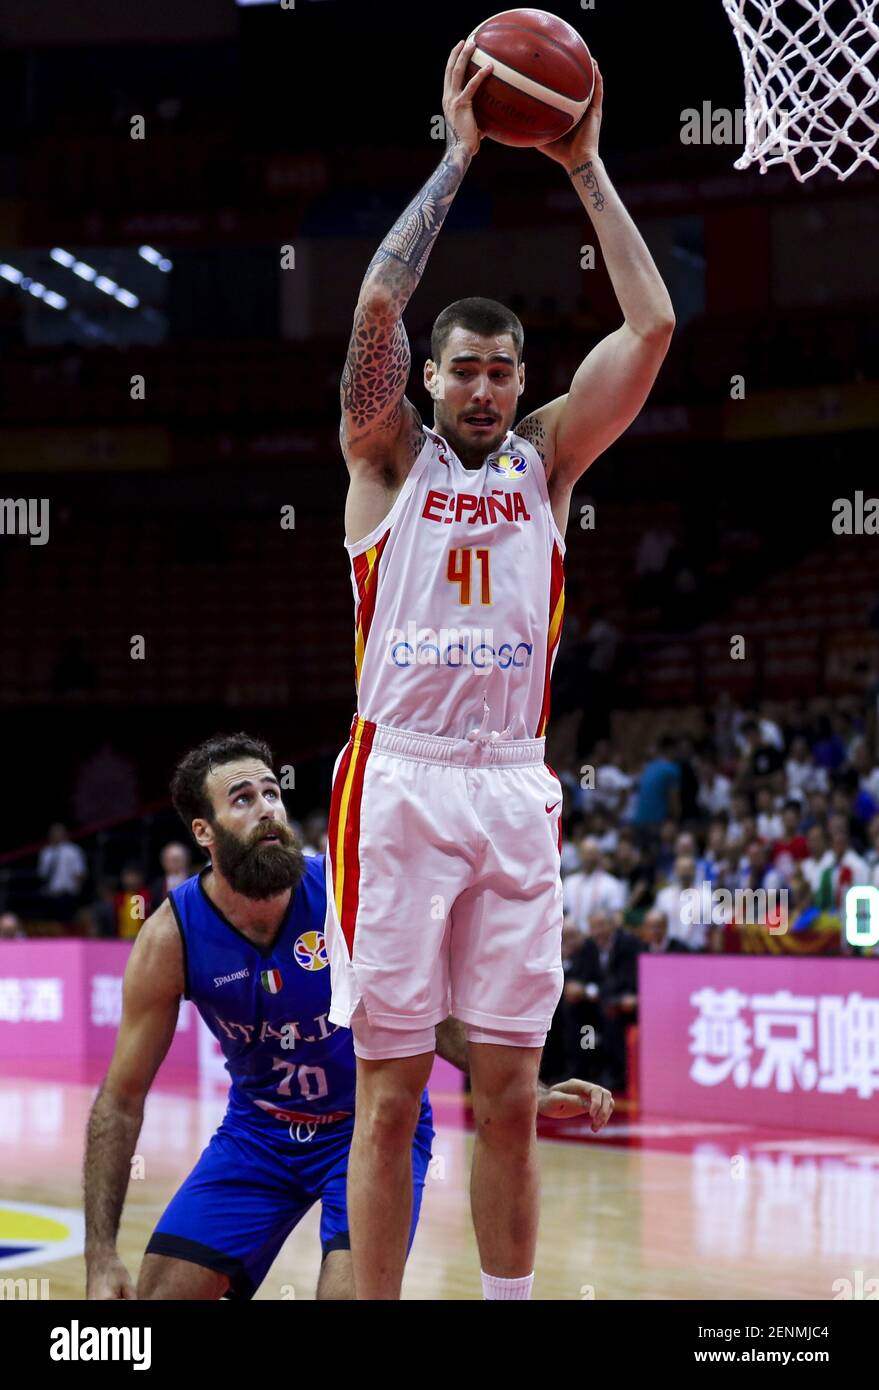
x: 574, y: 109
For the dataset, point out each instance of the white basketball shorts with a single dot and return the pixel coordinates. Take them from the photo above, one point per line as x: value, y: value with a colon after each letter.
x: 443, y: 887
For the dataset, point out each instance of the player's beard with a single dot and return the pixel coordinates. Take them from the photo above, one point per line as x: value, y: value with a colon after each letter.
x: 256, y: 870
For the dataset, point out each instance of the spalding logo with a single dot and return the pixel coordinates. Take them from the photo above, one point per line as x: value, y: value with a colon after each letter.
x: 510, y: 465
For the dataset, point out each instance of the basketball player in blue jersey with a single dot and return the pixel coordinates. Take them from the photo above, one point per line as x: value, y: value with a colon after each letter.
x: 244, y: 941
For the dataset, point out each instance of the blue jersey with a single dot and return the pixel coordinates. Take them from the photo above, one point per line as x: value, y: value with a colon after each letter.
x: 268, y: 1007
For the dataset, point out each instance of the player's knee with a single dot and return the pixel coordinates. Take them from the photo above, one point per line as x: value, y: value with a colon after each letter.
x: 389, y: 1116
x: 163, y: 1278
x: 507, y: 1114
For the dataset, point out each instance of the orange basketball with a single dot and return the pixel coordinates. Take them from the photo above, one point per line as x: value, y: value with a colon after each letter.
x: 542, y: 80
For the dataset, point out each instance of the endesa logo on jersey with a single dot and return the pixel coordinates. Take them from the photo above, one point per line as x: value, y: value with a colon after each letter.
x: 446, y: 507
x: 475, y: 649
x: 510, y: 465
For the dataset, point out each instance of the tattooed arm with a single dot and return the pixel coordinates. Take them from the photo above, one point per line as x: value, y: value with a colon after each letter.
x: 374, y: 407
x: 154, y: 982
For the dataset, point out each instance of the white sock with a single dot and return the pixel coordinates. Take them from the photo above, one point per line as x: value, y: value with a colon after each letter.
x: 494, y: 1288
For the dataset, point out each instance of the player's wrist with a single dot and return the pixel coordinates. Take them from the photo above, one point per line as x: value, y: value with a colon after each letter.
x: 100, y: 1253
x: 458, y: 148
x: 583, y: 163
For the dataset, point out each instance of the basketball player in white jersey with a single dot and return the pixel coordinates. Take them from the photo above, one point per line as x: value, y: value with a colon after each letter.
x: 443, y: 850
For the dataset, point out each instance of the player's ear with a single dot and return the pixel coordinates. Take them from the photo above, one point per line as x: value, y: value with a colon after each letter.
x: 201, y: 833
x: 433, y: 381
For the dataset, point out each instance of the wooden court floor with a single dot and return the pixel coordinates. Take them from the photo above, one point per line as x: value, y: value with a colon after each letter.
x: 651, y: 1209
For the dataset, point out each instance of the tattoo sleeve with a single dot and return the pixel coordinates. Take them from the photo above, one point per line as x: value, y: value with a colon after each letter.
x: 378, y: 362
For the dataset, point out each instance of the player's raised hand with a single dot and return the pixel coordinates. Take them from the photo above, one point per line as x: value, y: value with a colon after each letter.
x: 108, y: 1279
x: 581, y: 143
x: 461, y: 127
x: 570, y: 1099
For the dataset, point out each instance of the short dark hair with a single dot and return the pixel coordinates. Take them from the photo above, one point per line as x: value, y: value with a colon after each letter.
x: 188, y: 793
x: 483, y: 316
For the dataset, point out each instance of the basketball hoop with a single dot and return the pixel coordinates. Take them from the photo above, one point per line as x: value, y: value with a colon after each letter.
x: 811, y: 83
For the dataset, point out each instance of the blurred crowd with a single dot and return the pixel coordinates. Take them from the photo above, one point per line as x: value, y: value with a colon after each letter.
x: 746, y: 834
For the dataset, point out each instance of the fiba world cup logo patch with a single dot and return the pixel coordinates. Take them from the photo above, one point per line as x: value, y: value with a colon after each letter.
x: 310, y: 950
x: 509, y: 465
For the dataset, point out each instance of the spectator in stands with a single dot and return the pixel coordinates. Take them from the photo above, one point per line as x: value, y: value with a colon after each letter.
x: 778, y: 787
x: 715, y: 790
x: 570, y: 857
x: 686, y: 847
x: 741, y: 812
x: 591, y: 889
x: 748, y: 833
x: 820, y: 856
x: 770, y: 825
x: 654, y: 932
x: 63, y: 869
x: 803, y: 913
x: 636, y: 873
x: 176, y: 862
x: 659, y: 786
x: 848, y: 867
x: 315, y: 833
x: 717, y: 858
x: 133, y: 902
x: 664, y: 852
x: 791, y: 846
x: 613, y: 786
x: 829, y: 749
x: 770, y: 732
x: 867, y: 774
x: 756, y: 870
x: 101, y: 915
x: 687, y: 907
x: 602, y: 988
x: 803, y: 773
x: 760, y: 758
x: 602, y: 828
x: 817, y: 809
x: 852, y: 799
x: 11, y: 928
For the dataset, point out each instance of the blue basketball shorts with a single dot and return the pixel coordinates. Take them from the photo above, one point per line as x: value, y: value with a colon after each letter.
x: 252, y: 1186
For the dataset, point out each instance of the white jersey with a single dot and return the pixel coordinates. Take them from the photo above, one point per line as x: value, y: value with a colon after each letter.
x: 459, y: 594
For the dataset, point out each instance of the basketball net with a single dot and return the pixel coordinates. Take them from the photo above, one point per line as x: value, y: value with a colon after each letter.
x: 811, y: 83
